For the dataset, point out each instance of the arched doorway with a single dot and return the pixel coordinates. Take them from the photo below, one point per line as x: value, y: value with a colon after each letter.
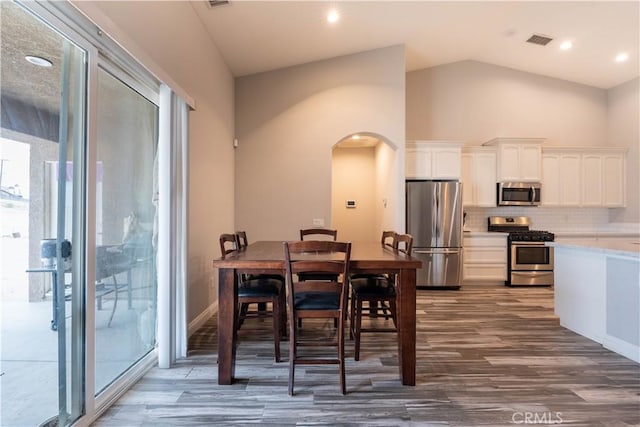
x: 363, y: 187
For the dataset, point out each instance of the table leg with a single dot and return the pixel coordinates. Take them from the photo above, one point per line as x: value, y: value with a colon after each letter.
x: 227, y: 304
x: 54, y: 301
x: 406, y: 306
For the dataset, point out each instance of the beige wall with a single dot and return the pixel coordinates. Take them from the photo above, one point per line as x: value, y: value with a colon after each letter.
x: 624, y: 131
x: 287, y: 122
x: 354, y: 178
x: 475, y: 102
x: 389, y: 199
x: 174, y: 38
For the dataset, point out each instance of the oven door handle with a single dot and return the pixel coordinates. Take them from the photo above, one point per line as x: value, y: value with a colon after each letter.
x: 527, y: 243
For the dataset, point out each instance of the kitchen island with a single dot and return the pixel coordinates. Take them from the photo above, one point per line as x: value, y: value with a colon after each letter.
x: 597, y: 291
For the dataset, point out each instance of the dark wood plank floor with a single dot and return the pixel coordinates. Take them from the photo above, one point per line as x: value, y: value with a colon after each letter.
x: 486, y: 355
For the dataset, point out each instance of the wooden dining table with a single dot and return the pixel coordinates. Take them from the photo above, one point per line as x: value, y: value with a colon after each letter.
x: 267, y: 257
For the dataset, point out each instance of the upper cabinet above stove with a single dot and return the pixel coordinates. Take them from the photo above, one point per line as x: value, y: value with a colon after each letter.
x: 519, y: 159
x: 433, y: 159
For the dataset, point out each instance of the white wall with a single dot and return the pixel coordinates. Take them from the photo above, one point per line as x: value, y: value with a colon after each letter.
x: 354, y: 178
x: 475, y: 102
x: 287, y: 122
x: 623, y: 130
x: 172, y: 36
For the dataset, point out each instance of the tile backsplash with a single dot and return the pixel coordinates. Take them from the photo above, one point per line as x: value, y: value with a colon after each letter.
x: 550, y: 219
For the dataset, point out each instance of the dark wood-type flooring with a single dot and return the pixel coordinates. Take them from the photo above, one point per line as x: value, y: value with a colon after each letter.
x: 486, y: 355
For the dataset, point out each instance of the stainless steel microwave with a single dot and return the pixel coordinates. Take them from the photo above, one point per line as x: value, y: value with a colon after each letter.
x: 519, y: 193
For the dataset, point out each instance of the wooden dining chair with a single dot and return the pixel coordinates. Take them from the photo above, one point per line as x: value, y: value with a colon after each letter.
x: 318, y: 234
x: 375, y: 290
x: 387, y: 240
x: 243, y: 242
x: 319, y: 299
x: 256, y: 290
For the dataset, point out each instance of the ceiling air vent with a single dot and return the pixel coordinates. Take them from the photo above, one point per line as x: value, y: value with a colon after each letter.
x: 539, y: 39
x: 213, y: 3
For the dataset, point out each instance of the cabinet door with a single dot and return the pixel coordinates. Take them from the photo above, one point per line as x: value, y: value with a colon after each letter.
x: 591, y: 180
x: 445, y: 163
x: 510, y: 162
x: 467, y: 178
x: 570, y: 178
x: 614, y: 188
x: 529, y: 162
x: 418, y: 163
x: 550, y: 180
x: 485, y: 179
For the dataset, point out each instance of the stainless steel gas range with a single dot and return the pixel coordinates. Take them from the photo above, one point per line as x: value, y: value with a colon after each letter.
x: 529, y: 260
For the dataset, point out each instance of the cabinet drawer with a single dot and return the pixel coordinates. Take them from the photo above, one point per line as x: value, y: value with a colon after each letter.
x: 485, y: 272
x: 485, y: 255
x: 498, y: 242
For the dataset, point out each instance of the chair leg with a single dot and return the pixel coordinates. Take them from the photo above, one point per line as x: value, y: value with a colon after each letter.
x: 392, y: 308
x: 352, y: 312
x: 276, y: 326
x: 283, y: 314
x: 292, y: 353
x: 115, y: 301
x: 343, y: 383
x: 358, y: 326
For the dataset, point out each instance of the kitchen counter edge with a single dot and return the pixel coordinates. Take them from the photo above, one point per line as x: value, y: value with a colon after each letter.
x: 618, y: 247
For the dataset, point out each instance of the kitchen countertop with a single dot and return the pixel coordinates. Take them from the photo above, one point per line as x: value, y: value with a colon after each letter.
x: 474, y: 233
x: 613, y: 246
x: 582, y: 233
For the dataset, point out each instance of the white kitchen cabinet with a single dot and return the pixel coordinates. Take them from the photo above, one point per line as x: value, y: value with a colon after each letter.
x: 478, y: 176
x: 562, y: 171
x: 485, y: 256
x: 591, y: 185
x: 583, y: 176
x: 614, y: 179
x: 433, y: 159
x: 519, y: 159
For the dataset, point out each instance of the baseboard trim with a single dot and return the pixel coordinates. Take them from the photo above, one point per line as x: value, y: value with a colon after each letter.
x: 202, y: 318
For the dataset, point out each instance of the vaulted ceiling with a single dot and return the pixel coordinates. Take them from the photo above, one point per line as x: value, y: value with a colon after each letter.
x: 256, y: 36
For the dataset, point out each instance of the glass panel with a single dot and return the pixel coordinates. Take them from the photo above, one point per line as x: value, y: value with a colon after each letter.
x: 42, y: 301
x: 532, y: 255
x: 41, y: 356
x: 516, y: 194
x: 125, y: 212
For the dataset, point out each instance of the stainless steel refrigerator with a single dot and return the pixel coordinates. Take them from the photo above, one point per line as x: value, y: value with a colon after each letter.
x: 434, y: 219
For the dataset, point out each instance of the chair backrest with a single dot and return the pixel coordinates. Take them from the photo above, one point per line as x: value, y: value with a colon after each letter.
x: 403, y: 243
x: 317, y: 256
x: 319, y: 232
x: 242, y: 239
x: 388, y: 238
x: 228, y: 243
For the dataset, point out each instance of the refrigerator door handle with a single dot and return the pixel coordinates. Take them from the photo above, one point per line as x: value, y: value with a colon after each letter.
x: 437, y: 251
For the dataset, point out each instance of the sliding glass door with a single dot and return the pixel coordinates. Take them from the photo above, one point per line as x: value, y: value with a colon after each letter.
x: 42, y: 184
x: 126, y: 196
x: 78, y: 180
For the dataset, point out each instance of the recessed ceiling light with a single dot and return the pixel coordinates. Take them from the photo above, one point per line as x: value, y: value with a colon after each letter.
x: 622, y: 57
x: 566, y: 45
x: 356, y: 136
x: 333, y: 16
x: 39, y: 61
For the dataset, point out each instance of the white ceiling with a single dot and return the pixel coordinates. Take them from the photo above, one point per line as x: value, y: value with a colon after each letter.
x: 256, y: 36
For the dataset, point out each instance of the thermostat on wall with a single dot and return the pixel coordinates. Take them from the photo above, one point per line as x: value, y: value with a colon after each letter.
x: 351, y: 203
